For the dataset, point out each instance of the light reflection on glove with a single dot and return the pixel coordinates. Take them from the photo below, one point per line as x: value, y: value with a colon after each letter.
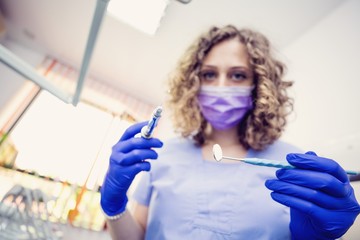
x: 321, y: 200
x: 126, y: 161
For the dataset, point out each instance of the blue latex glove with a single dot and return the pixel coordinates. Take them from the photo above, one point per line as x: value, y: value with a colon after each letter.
x: 321, y: 200
x: 127, y: 159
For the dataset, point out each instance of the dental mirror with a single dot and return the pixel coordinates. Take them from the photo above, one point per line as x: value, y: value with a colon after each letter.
x: 217, y: 152
x: 218, y: 156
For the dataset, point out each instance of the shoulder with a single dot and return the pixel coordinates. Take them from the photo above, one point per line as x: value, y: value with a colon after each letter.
x: 278, y: 150
x: 281, y: 145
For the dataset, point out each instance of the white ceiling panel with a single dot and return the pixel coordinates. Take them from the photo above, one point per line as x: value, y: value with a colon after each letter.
x: 139, y: 63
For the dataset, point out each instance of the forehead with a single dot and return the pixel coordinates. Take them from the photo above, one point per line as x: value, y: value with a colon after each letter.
x: 229, y: 52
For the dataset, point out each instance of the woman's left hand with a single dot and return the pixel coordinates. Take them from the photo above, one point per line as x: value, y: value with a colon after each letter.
x: 321, y: 200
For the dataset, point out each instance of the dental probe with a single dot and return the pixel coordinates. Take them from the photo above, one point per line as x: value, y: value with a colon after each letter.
x: 147, y: 131
x: 218, y: 156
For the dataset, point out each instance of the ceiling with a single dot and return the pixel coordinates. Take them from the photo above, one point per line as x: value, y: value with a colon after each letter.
x: 139, y: 63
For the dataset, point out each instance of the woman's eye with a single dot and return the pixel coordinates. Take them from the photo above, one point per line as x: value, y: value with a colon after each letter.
x: 238, y: 76
x: 208, y: 76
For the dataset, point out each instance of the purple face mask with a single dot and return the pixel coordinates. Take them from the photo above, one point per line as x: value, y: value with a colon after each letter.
x: 225, y: 107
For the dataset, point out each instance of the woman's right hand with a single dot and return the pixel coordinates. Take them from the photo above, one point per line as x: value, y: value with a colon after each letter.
x: 127, y: 159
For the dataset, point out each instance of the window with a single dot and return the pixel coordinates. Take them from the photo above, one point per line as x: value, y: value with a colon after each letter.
x: 65, y: 142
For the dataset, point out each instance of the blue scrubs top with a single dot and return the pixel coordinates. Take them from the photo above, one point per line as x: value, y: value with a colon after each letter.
x: 192, y: 198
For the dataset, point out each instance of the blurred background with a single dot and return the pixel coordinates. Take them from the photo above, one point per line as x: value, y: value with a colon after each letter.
x: 75, y: 74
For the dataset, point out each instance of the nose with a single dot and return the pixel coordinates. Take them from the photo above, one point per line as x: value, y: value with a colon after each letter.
x: 222, y: 80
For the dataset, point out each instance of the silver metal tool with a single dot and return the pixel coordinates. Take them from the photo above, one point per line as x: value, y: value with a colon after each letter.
x: 147, y: 131
x: 218, y: 156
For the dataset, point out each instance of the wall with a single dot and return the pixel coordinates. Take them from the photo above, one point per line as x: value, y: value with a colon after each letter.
x: 324, y: 63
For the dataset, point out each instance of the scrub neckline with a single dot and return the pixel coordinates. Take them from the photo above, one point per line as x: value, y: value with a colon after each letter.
x: 249, y: 154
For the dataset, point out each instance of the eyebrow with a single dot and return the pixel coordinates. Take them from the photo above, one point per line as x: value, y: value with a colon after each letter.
x: 231, y: 68
x: 241, y: 67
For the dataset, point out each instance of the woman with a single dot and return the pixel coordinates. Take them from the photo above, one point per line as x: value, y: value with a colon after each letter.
x: 228, y: 89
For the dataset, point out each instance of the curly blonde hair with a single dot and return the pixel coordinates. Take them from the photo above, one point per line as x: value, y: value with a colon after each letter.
x: 265, y: 122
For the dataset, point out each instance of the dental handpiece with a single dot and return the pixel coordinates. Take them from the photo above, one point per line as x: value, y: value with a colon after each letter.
x: 147, y: 131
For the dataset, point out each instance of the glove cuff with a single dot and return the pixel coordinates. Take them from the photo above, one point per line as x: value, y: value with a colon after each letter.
x: 114, y: 217
x: 112, y: 209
